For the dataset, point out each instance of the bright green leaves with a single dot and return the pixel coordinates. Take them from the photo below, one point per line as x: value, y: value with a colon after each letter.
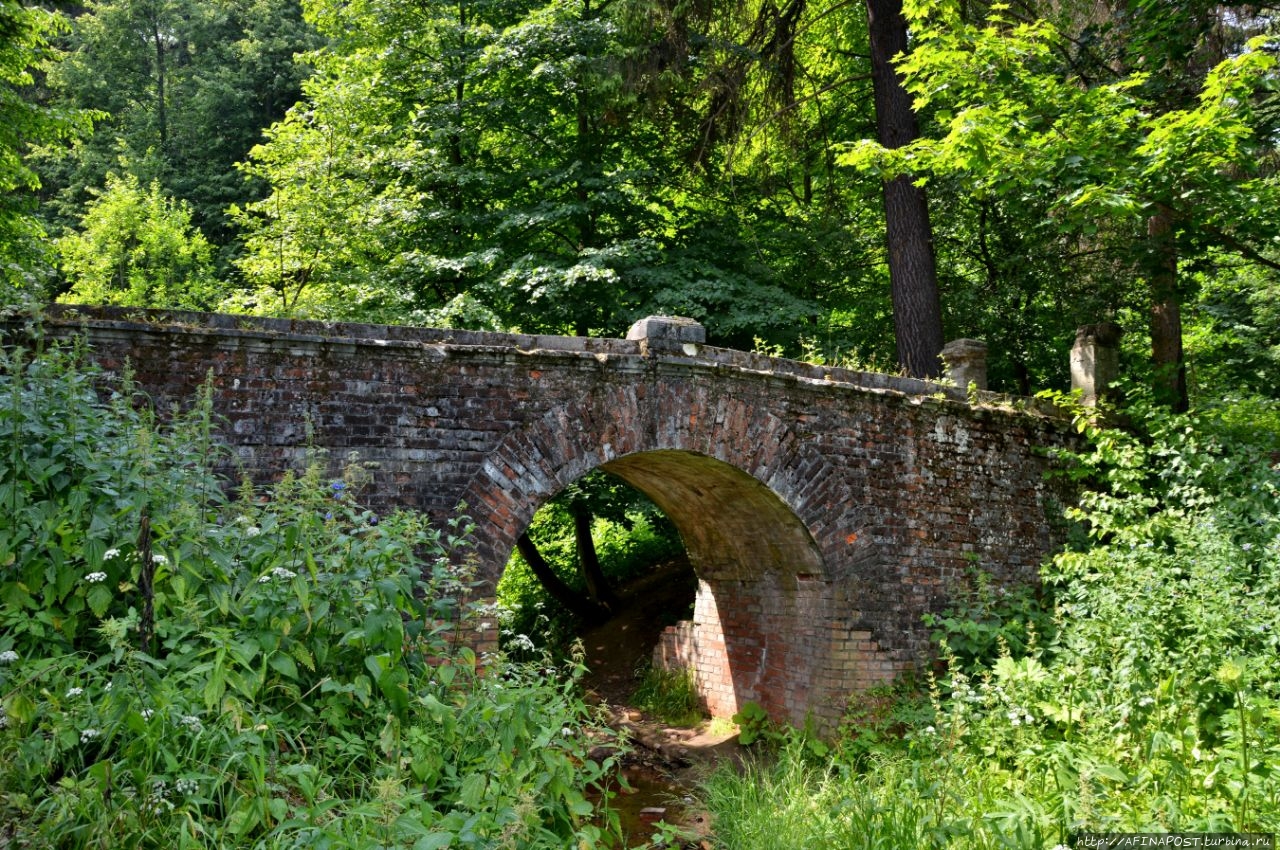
x: 303, y: 687
x: 25, y: 49
x: 138, y: 248
x: 495, y: 164
x: 1011, y: 122
x: 182, y: 90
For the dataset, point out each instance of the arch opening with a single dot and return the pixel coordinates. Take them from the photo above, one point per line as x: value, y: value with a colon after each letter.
x: 759, y: 612
x: 733, y: 526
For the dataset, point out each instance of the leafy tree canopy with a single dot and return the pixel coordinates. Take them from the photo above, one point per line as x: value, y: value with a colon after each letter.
x: 25, y: 52
x: 138, y: 247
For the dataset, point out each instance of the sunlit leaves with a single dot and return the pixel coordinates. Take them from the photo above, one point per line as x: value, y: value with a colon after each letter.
x: 25, y: 49
x: 137, y: 247
x: 1015, y: 122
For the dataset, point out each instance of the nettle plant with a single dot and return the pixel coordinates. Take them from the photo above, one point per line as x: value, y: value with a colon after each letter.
x: 184, y: 668
x: 1152, y: 703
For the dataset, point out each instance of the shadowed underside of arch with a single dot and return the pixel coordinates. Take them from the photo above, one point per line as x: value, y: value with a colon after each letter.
x: 733, y: 527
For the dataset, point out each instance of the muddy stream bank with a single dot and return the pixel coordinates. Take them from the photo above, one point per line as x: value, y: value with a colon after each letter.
x: 666, y: 761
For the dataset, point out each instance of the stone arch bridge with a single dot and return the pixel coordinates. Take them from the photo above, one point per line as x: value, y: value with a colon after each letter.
x: 823, y: 510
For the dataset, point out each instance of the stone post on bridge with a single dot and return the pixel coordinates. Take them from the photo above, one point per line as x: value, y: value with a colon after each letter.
x: 966, y: 362
x: 1095, y: 360
x: 669, y: 333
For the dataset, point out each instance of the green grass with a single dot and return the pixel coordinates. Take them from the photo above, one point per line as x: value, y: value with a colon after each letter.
x: 669, y: 695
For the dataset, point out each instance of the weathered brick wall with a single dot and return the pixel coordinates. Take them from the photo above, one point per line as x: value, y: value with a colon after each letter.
x: 824, y: 510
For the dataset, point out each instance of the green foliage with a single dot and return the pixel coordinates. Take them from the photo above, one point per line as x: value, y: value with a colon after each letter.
x: 631, y: 536
x: 25, y: 52
x: 1059, y: 159
x: 516, y: 152
x: 137, y: 247
x: 1233, y: 341
x: 669, y: 695
x: 1152, y: 706
x: 282, y: 669
x: 1014, y: 123
x: 754, y: 724
x: 793, y: 800
x: 986, y: 620
x: 182, y: 91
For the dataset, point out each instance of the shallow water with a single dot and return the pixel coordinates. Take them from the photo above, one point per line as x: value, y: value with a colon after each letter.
x: 648, y: 789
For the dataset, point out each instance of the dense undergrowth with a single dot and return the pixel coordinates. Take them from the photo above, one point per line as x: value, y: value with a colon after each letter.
x: 183, y: 668
x: 1138, y: 694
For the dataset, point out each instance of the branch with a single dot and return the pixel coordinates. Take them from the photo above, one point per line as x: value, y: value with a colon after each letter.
x: 1244, y: 250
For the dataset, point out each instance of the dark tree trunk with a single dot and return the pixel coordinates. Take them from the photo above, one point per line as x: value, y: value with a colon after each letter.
x: 913, y: 274
x: 1166, y: 313
x: 162, y: 111
x: 597, y: 585
x: 561, y: 592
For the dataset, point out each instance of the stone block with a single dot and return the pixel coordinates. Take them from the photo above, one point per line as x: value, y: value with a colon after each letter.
x: 669, y: 333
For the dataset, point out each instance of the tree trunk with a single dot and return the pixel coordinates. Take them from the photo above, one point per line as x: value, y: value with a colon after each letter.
x: 561, y: 592
x: 913, y: 274
x: 1166, y: 313
x: 162, y: 111
x: 597, y: 585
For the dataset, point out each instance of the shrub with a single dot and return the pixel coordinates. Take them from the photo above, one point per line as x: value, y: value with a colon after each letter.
x: 671, y: 695
x: 631, y: 535
x: 179, y: 668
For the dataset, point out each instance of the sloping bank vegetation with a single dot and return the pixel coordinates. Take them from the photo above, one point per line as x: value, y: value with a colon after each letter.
x: 1138, y: 694
x: 180, y: 668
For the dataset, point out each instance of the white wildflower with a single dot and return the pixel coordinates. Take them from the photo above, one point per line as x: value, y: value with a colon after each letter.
x: 111, y: 553
x: 1146, y: 701
x: 74, y: 692
x: 252, y: 531
x: 147, y: 713
x: 282, y: 573
x: 8, y: 656
x: 186, y: 787
x: 88, y: 735
x: 191, y: 722
x: 159, y: 559
x: 929, y: 730
x: 96, y: 577
x: 566, y: 732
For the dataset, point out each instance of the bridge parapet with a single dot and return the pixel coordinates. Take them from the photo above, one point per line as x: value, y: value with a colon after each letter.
x: 666, y: 344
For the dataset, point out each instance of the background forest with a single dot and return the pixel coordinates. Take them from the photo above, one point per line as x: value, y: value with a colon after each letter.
x: 572, y: 166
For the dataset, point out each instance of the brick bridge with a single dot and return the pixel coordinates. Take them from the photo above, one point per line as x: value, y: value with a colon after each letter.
x: 823, y: 510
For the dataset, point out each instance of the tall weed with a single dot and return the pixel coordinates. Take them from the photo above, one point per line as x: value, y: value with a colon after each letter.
x: 180, y: 668
x: 1146, y: 701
